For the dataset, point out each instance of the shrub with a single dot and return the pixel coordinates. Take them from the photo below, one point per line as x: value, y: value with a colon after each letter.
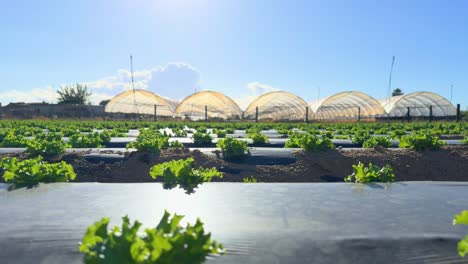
x: 308, y: 142
x: 150, y: 141
x: 372, y: 173
x: 462, y: 219
x: 201, y: 139
x: 47, y: 145
x: 377, y: 141
x: 182, y: 173
x: 32, y: 171
x: 233, y: 149
x: 258, y: 138
x: 252, y: 179
x: 421, y: 142
x: 168, y: 242
x: 465, y: 140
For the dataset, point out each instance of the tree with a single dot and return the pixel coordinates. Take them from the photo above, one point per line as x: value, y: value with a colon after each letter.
x: 73, y: 94
x: 397, y: 92
x: 104, y: 102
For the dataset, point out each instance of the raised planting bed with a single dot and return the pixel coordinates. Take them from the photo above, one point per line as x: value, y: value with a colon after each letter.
x: 273, y: 165
x: 257, y: 223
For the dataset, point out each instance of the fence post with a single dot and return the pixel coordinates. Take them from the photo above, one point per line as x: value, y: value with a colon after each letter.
x: 458, y: 113
x: 307, y: 115
x: 430, y: 113
x: 408, y: 115
x: 256, y: 114
x: 359, y: 114
x: 155, y: 113
x: 206, y: 113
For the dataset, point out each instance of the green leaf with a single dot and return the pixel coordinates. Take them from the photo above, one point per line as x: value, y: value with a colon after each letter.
x: 461, y: 218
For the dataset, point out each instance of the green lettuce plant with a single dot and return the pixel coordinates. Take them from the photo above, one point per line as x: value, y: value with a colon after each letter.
x: 150, y: 141
x: 46, y: 145
x: 201, y: 139
x: 309, y: 142
x: 30, y: 172
x: 233, y: 149
x: 168, y: 242
x: 182, y: 173
x: 377, y: 141
x: 419, y: 142
x: 462, y: 219
x: 371, y: 173
x: 258, y: 138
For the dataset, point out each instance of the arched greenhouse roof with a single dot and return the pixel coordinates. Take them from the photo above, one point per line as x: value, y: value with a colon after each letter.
x: 419, y: 104
x: 346, y: 105
x: 140, y: 102
x: 218, y: 106
x: 277, y: 106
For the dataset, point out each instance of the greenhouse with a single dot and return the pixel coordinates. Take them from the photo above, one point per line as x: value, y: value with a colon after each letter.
x: 277, y: 106
x: 418, y: 104
x: 346, y: 105
x: 208, y: 104
x: 141, y: 102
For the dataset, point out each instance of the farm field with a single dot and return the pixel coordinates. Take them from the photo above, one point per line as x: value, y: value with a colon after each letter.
x: 115, y: 151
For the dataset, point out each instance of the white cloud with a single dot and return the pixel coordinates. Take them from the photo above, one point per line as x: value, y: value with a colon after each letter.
x: 174, y: 80
x: 46, y: 94
x: 254, y: 90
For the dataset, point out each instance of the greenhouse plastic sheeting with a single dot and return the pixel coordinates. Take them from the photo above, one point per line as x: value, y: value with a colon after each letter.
x: 418, y: 103
x: 140, y: 102
x: 346, y: 105
x: 277, y: 106
x: 257, y: 223
x: 217, y: 105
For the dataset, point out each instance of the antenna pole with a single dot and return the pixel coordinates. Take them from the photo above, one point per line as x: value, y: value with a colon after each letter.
x: 133, y: 87
x: 390, y: 81
x: 451, y: 92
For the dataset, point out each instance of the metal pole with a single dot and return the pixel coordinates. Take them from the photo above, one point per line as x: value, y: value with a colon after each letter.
x: 458, y: 113
x: 256, y: 114
x: 359, y: 113
x: 307, y: 115
x: 206, y: 113
x: 408, y: 115
x: 430, y: 113
x: 155, y: 113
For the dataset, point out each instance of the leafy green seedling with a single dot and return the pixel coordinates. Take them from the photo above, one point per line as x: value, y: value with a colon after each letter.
x: 168, y: 242
x: 250, y: 179
x: 419, y: 142
x: 371, y: 173
x: 33, y: 171
x: 233, y: 149
x: 182, y: 173
x: 462, y: 219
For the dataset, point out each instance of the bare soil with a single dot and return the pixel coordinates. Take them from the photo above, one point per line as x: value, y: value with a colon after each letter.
x: 448, y: 164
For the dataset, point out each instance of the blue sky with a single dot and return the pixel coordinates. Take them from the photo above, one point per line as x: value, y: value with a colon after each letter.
x: 239, y: 47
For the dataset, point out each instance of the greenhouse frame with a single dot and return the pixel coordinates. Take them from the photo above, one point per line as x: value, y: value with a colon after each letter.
x: 141, y: 102
x: 277, y: 106
x: 208, y: 104
x: 284, y: 106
